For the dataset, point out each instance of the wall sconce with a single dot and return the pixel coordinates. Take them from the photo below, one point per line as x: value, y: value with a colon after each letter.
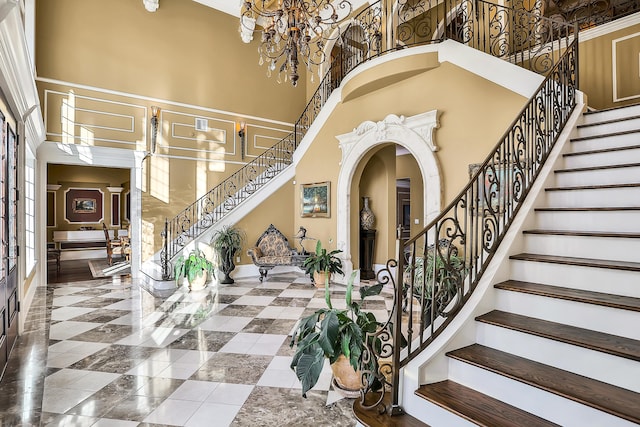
x: 155, y: 113
x: 240, y: 127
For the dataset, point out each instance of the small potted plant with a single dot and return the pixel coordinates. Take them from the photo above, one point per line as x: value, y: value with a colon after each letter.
x: 226, y: 243
x: 195, y: 268
x: 321, y: 264
x: 338, y: 335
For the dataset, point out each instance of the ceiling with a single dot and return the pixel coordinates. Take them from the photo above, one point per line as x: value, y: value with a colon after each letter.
x: 232, y: 7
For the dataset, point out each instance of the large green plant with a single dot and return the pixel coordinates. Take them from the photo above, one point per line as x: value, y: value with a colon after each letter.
x: 194, y: 265
x: 228, y: 238
x: 323, y: 261
x: 330, y: 332
x: 442, y: 271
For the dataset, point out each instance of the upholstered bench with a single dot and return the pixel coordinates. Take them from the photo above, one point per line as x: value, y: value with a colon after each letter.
x: 271, y: 250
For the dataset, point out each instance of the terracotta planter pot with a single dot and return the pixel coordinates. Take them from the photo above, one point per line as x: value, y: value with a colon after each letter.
x: 346, y: 377
x: 319, y: 277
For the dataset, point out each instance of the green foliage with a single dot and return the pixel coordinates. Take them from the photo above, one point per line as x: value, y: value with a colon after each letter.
x: 322, y: 260
x: 446, y: 270
x: 330, y: 332
x: 192, y: 266
x: 228, y: 237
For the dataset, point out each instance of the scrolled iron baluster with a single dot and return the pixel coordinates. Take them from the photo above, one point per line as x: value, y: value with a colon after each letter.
x: 375, y: 369
x: 164, y: 260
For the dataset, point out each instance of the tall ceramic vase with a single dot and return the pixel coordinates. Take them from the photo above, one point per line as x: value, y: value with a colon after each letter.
x: 227, y: 266
x: 367, y: 218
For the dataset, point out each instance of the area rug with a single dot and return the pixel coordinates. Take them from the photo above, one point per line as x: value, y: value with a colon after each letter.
x: 101, y: 268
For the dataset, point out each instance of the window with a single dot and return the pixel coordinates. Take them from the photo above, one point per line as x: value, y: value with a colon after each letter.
x: 30, y: 210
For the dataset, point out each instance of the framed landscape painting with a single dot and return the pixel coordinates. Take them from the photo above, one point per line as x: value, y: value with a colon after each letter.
x: 84, y: 205
x: 315, y: 200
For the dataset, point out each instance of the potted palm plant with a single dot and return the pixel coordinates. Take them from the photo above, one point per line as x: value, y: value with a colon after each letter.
x: 226, y: 243
x: 195, y: 268
x: 338, y: 335
x: 443, y: 271
x: 321, y: 264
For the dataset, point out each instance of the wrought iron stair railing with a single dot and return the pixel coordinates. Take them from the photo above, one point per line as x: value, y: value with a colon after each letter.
x: 439, y: 268
x: 513, y: 35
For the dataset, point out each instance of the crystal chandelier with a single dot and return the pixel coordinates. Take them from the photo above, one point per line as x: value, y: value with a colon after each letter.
x: 294, y: 31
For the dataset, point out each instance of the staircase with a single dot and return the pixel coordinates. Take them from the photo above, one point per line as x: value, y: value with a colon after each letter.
x: 562, y: 344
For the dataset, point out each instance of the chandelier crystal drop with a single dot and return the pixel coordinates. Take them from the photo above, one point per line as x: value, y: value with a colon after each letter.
x: 293, y: 31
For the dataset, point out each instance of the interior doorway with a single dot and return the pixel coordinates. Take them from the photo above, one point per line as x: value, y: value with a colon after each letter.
x: 83, y: 202
x: 403, y: 209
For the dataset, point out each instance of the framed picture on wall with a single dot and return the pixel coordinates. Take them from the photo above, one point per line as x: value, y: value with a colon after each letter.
x: 84, y: 206
x: 315, y: 200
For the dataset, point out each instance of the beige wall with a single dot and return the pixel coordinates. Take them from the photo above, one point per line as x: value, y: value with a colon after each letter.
x: 596, y: 68
x: 473, y: 114
x: 275, y: 210
x: 184, y: 52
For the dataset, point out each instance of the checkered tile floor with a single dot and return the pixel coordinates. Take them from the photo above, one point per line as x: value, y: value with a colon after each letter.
x: 118, y: 356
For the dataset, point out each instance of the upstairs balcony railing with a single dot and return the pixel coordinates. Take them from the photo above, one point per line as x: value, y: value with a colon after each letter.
x: 382, y: 27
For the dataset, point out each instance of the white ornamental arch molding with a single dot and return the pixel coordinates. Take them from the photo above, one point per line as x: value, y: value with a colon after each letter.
x: 415, y: 134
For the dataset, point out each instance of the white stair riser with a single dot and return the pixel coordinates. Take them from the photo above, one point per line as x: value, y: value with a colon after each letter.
x: 536, y: 401
x: 602, y: 159
x: 587, y: 278
x: 598, y: 318
x: 602, y: 197
x: 435, y: 416
x: 612, y: 141
x: 620, y: 220
x: 618, y: 113
x: 625, y: 175
x: 605, y: 128
x: 619, y: 249
x: 603, y: 367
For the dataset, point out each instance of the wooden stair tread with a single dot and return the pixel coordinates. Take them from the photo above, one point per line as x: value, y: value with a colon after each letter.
x: 372, y: 418
x: 626, y: 235
x: 583, y: 262
x: 602, y: 150
x: 605, y: 135
x: 604, y: 110
x: 578, y: 295
x: 593, y: 187
x: 592, y: 168
x: 597, y: 394
x: 593, y: 340
x: 476, y: 407
x: 592, y: 209
x: 606, y: 122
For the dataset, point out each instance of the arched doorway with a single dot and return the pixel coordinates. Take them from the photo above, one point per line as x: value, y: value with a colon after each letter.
x: 415, y: 134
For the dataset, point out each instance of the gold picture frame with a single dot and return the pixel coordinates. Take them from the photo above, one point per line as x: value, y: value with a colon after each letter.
x: 315, y: 200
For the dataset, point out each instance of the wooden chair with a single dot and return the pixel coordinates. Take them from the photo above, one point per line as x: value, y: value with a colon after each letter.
x: 114, y: 247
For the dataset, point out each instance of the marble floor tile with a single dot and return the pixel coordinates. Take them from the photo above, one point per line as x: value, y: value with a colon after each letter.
x: 134, y: 408
x: 60, y: 400
x: 68, y: 328
x: 68, y: 313
x: 223, y: 414
x: 66, y: 300
x: 225, y: 323
x: 254, y: 300
x: 108, y: 352
x: 196, y: 391
x: 173, y: 412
